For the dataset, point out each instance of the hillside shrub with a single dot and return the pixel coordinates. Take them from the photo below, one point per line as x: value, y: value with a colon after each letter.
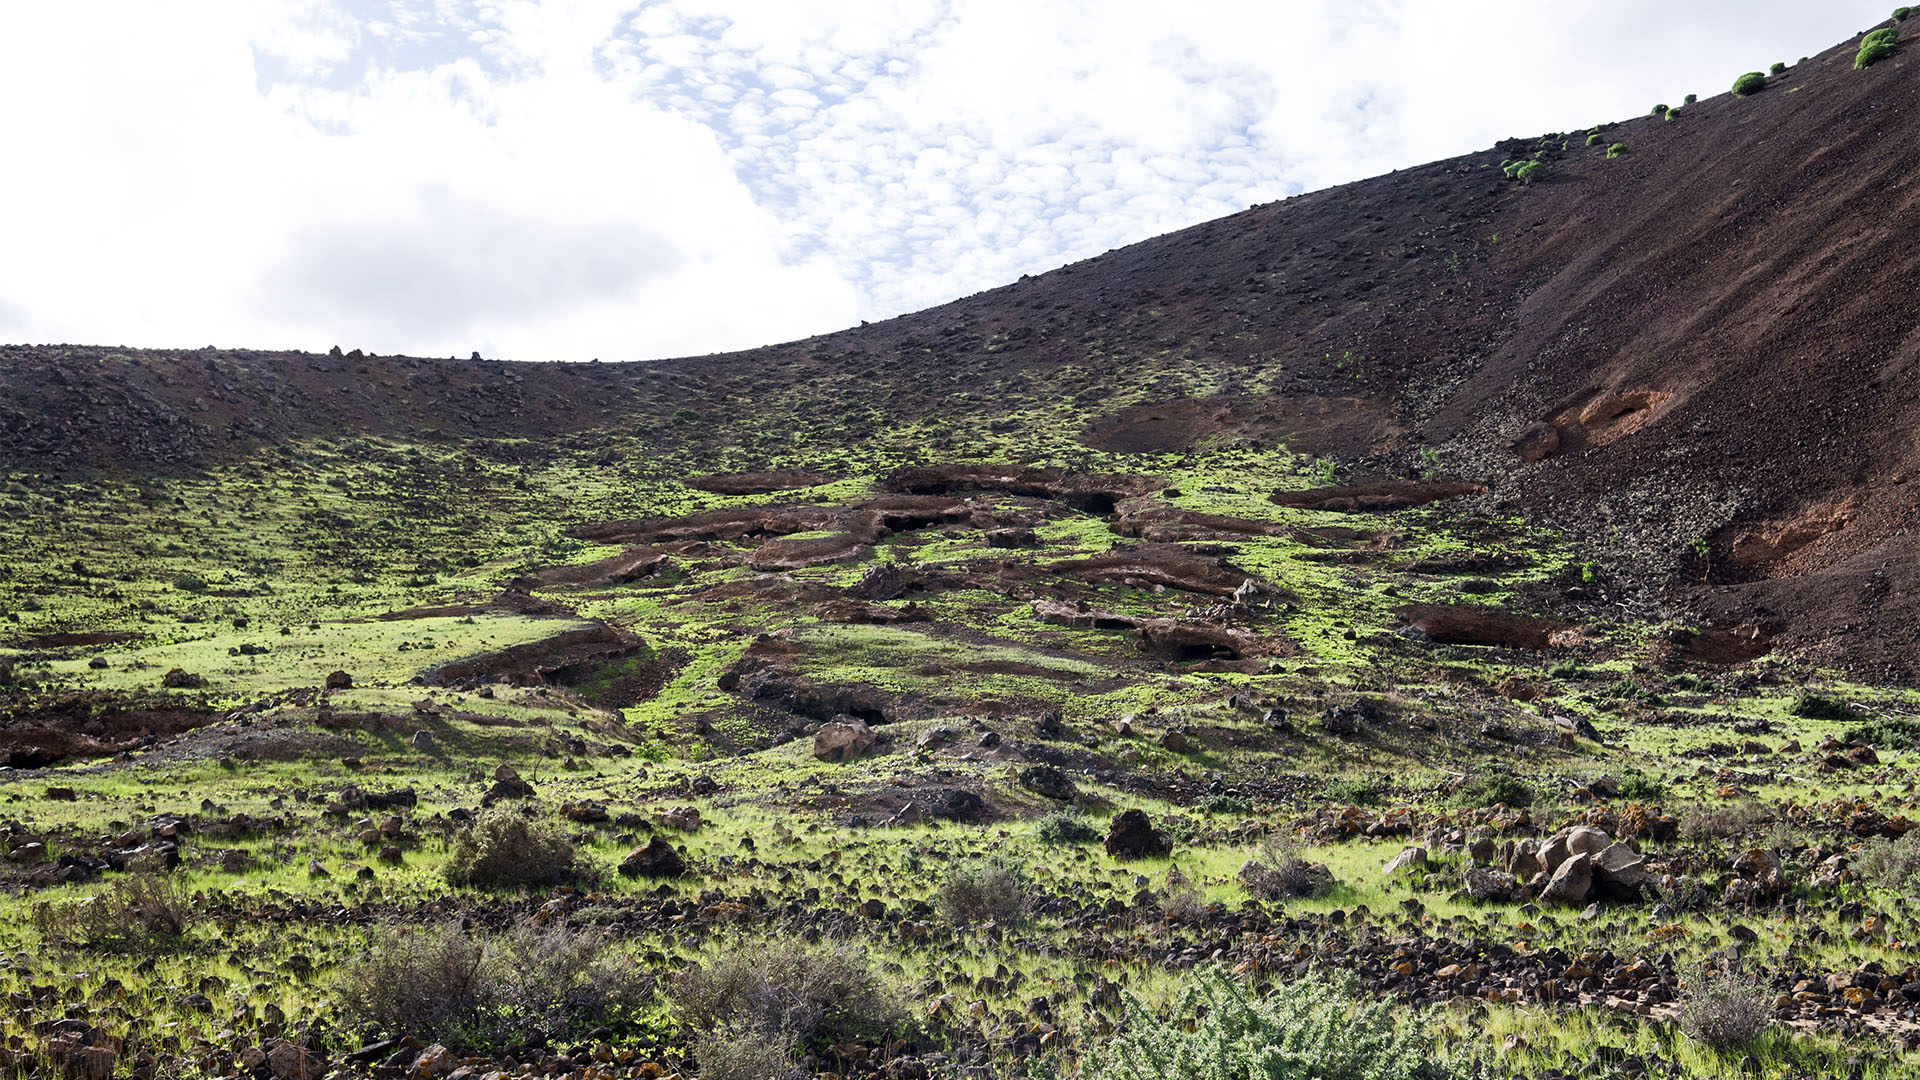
x: 140, y: 912
x: 1659, y: 110
x: 1215, y: 1029
x: 1876, y: 46
x: 1887, y: 733
x: 1812, y: 706
x: 1493, y: 786
x: 1596, y: 139
x: 1673, y: 114
x: 1063, y: 827
x: 1778, y: 68
x: 1900, y: 14
x: 1528, y: 171
x: 1703, y: 821
x: 1890, y: 864
x: 1278, y: 872
x: 993, y: 891
x: 189, y: 583
x: 1618, y: 149
x: 1691, y: 98
x: 1725, y: 1010
x: 504, y: 848
x: 789, y: 995
x: 1751, y: 83
x: 530, y: 985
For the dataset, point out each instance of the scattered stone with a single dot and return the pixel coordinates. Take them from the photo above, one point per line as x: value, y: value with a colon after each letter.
x: 843, y: 740
x: 1411, y: 860
x: 339, y: 680
x: 182, y: 679
x: 422, y: 740
x: 655, y: 859
x: 1047, y: 781
x: 1571, y: 882
x: 1489, y: 886
x: 1132, y: 836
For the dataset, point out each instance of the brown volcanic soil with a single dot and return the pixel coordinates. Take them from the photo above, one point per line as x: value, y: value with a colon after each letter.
x: 1710, y: 337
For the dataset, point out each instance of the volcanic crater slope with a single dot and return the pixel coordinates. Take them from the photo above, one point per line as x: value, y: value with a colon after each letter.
x: 1484, y: 581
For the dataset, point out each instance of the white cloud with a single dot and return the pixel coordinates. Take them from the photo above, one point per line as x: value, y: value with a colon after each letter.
x: 635, y: 178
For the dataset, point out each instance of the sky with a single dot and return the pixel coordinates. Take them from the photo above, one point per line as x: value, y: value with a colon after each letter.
x: 633, y: 179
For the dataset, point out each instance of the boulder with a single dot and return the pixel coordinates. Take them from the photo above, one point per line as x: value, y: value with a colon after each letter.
x: 182, y: 679
x: 339, y: 680
x: 1586, y: 840
x: 959, y: 804
x: 1761, y: 869
x: 422, y: 740
x: 1571, y: 883
x: 843, y: 740
x: 1489, y: 886
x: 1618, y: 872
x: 1132, y: 836
x: 655, y: 859
x: 288, y: 1061
x: 1047, y: 781
x: 1411, y: 860
x: 684, y: 818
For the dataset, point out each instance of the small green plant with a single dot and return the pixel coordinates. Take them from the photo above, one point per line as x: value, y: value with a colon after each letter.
x: 1779, y: 67
x: 993, y: 891
x: 1232, y: 805
x: 1493, y: 786
x: 140, y: 912
x: 1618, y: 149
x: 1900, y: 14
x: 1887, y: 732
x: 1812, y: 706
x: 1690, y: 99
x: 1673, y: 114
x: 505, y: 848
x: 1329, y: 473
x: 1891, y: 864
x: 1351, y: 791
x: 189, y: 583
x: 1641, y: 787
x: 1527, y: 172
x: 1660, y: 110
x: 1216, y: 1029
x: 1751, y: 83
x: 1064, y: 827
x: 791, y: 995
x: 1876, y: 46
x: 1596, y: 139
x: 1278, y: 872
x: 1429, y: 463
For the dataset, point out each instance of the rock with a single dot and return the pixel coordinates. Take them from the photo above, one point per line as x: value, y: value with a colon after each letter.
x: 585, y: 813
x: 317, y: 869
x: 28, y: 853
x: 507, y: 785
x: 872, y: 909
x: 1012, y: 538
x: 182, y: 679
x: 1175, y: 741
x: 1553, y: 852
x: 1411, y: 860
x: 61, y: 794
x: 422, y: 740
x: 959, y: 804
x: 235, y: 861
x: 1586, y: 840
x: 1571, y: 883
x: 1618, y: 872
x: 1761, y: 869
x: 684, y: 818
x: 1049, y: 782
x: 1481, y: 851
x: 339, y: 680
x: 938, y: 736
x: 843, y: 740
x: 1132, y: 836
x: 1489, y: 886
x: 655, y: 859
x: 391, y: 855
x: 1525, y: 862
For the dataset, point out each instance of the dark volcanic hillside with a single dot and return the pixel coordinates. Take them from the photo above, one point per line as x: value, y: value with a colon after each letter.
x: 1697, y: 357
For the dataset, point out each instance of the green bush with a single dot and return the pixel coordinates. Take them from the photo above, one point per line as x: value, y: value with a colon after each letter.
x: 1528, y: 171
x: 1891, y: 864
x: 1491, y: 787
x: 1227, y: 804
x: 1691, y: 98
x: 506, y: 848
x: 189, y: 583
x: 1317, y: 1028
x: 1673, y: 114
x: 993, y: 891
x: 1887, y: 733
x: 1638, y: 786
x: 1900, y: 14
x: 1812, y: 706
x: 1778, y: 68
x: 1063, y: 827
x: 1876, y: 46
x: 1751, y: 83
x: 1596, y: 139
x: 141, y: 912
x: 1659, y: 110
x: 1618, y: 149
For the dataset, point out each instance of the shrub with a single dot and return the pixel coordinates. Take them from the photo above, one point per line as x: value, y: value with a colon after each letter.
x: 1659, y: 110
x: 1900, y: 14
x: 737, y: 1053
x: 1637, y: 785
x: 1216, y: 1030
x: 530, y: 985
x: 1751, y: 83
x: 1278, y: 872
x: 1618, y: 149
x: 1691, y: 98
x: 1526, y: 173
x: 1596, y: 139
x: 791, y: 995
x: 1812, y: 706
x: 1493, y: 786
x: 1064, y: 827
x: 1777, y: 68
x: 1876, y: 46
x: 140, y: 912
x: 1887, y: 732
x: 504, y: 848
x: 1226, y: 804
x: 1891, y: 864
x: 993, y: 891
x: 1349, y: 791
x: 189, y: 583
x: 1725, y: 1010
x: 1673, y: 114
x: 1709, y: 822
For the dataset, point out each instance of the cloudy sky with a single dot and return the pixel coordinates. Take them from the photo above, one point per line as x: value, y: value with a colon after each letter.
x: 629, y: 179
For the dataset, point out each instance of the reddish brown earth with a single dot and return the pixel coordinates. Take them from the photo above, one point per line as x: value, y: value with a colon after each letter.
x: 1712, y: 337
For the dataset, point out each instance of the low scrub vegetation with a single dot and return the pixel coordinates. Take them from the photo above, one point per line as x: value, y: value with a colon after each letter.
x: 529, y: 985
x: 993, y: 891
x: 1215, y: 1029
x: 1063, y: 827
x: 1876, y: 46
x: 505, y: 848
x: 757, y: 1008
x: 137, y: 913
x: 1725, y: 1010
x: 1751, y: 83
x: 1279, y: 872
